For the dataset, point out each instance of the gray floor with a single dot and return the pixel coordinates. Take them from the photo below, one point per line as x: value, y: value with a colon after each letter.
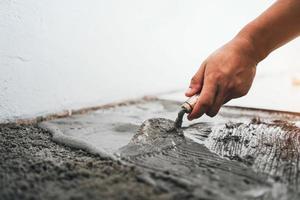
x: 34, y: 167
x: 240, y: 154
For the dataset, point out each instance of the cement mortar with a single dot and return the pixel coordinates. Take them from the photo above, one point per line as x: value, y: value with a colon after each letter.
x: 34, y: 167
x: 181, y: 161
x: 206, y: 159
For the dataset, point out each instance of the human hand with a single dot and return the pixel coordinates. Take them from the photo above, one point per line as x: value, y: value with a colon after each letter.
x: 226, y: 74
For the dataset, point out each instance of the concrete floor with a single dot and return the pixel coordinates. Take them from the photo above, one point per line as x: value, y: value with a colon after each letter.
x: 250, y: 152
x: 34, y: 167
x: 128, y: 152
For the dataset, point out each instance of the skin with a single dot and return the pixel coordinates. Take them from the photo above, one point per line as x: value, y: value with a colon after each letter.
x: 228, y: 72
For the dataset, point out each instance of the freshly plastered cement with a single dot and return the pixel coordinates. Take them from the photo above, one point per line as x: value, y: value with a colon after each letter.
x: 240, y: 154
x: 33, y: 167
x: 106, y: 130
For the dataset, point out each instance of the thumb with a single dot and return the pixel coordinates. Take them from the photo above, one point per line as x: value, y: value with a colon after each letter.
x: 196, y: 82
x: 191, y: 91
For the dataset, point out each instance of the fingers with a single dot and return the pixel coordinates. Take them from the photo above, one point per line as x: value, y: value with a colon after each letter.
x: 219, y: 101
x: 196, y: 82
x: 206, y: 99
x: 227, y: 99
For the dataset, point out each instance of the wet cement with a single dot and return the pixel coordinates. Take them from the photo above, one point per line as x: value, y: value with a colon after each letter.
x: 241, y: 154
x: 34, y: 167
x: 271, y: 148
x: 182, y: 163
x: 104, y: 131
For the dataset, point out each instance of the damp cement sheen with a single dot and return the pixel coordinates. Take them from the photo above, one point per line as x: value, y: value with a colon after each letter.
x: 241, y: 147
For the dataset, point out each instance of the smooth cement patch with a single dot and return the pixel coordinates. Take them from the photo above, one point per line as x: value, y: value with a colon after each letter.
x: 240, y: 154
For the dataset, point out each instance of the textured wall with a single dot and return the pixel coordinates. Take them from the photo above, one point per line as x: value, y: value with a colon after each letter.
x: 62, y: 54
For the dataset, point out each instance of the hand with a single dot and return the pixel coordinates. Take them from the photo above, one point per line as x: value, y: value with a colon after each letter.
x: 226, y: 74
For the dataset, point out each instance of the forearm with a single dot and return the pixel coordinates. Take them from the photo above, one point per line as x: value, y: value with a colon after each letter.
x: 229, y: 72
x: 276, y: 26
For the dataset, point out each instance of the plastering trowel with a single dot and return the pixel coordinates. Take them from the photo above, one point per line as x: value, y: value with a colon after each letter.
x: 186, y: 107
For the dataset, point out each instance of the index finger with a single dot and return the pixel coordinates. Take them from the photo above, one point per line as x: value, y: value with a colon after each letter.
x: 206, y: 99
x: 196, y: 81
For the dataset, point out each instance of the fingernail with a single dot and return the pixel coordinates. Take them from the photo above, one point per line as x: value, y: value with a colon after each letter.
x: 189, y: 90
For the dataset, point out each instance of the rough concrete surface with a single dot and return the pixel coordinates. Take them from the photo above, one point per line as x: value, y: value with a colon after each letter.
x: 240, y: 154
x: 258, y: 173
x: 34, y: 167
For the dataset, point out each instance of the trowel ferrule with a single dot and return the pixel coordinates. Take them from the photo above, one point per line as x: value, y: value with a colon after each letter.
x: 189, y: 104
x: 186, y: 107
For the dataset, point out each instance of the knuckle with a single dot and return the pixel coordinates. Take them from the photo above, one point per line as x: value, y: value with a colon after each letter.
x: 211, y: 78
x: 194, y: 80
x: 243, y: 92
x: 206, y: 102
x: 239, y: 82
x: 195, y: 83
x: 217, y: 76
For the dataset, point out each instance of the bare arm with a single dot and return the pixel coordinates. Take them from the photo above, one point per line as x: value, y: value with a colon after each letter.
x: 276, y: 26
x: 229, y: 71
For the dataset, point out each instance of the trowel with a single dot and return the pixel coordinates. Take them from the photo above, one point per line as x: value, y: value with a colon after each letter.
x: 186, y: 107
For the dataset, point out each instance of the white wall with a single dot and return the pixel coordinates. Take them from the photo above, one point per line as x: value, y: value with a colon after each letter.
x: 62, y: 54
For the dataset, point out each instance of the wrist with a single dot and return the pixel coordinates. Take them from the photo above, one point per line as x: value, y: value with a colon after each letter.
x: 254, y: 39
x: 247, y: 48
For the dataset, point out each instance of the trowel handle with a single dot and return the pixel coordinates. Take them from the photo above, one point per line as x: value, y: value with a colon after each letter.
x: 189, y: 104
